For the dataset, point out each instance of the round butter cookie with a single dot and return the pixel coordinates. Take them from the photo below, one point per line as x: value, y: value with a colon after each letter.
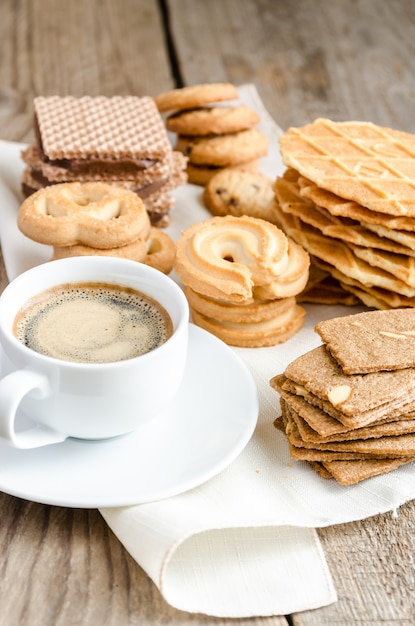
x: 195, y: 96
x: 215, y: 120
x: 201, y: 174
x: 224, y: 150
x: 236, y: 192
x: 292, y: 280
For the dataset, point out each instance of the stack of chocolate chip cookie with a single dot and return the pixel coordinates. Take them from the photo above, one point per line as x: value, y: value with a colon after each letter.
x: 348, y: 406
x: 119, y: 140
x: 348, y: 197
x: 213, y: 130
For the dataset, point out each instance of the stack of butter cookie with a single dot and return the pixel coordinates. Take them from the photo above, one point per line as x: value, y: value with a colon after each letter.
x: 241, y: 276
x: 91, y: 219
x: 213, y: 130
x: 348, y: 196
x: 118, y: 140
x: 348, y: 406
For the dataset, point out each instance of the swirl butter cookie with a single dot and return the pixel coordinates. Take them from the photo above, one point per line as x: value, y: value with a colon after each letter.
x: 241, y: 276
x: 254, y: 335
x: 214, y: 120
x: 226, y: 257
x: 195, y: 96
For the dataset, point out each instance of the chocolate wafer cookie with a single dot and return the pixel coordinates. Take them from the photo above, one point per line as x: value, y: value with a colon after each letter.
x: 119, y: 140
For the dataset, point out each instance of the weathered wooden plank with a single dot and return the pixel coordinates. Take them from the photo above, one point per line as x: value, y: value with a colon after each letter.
x: 64, y: 566
x: 345, y: 59
x: 372, y: 563
x: 78, y: 48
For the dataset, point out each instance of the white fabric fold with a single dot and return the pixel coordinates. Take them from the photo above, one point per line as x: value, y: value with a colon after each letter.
x: 236, y: 571
x: 217, y: 549
x: 243, y: 544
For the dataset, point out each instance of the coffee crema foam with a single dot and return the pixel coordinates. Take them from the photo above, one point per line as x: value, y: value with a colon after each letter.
x: 92, y: 323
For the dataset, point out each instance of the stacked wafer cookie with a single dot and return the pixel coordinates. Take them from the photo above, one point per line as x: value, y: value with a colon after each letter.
x: 348, y: 406
x: 118, y: 140
x: 348, y: 197
x: 212, y: 129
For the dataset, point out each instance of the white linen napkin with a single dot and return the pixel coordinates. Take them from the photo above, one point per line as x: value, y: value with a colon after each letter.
x: 217, y: 549
x: 243, y: 544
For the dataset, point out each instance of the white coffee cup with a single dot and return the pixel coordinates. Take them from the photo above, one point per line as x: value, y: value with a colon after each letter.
x: 84, y: 400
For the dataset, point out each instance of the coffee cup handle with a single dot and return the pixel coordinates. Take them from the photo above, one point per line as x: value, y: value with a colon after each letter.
x: 13, y: 388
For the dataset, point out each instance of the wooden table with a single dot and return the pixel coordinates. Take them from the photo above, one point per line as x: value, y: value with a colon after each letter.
x: 344, y: 59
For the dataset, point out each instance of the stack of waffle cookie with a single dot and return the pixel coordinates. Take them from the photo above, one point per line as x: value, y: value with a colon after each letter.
x: 348, y: 197
x: 241, y: 276
x: 348, y: 406
x: 213, y: 130
x: 119, y: 140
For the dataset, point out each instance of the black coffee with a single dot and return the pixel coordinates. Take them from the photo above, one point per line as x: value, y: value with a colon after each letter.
x: 92, y: 323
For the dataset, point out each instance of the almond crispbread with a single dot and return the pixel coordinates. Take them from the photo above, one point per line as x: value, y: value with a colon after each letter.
x: 352, y: 395
x: 371, y: 341
x: 346, y: 425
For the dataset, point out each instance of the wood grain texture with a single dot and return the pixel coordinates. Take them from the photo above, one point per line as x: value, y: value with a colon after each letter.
x: 99, y: 47
x: 344, y: 59
x: 372, y: 563
x: 62, y: 567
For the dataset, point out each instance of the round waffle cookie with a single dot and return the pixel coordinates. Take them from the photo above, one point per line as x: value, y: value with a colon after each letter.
x: 359, y: 161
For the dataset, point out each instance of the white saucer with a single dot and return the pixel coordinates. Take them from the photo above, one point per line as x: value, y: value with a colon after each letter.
x: 208, y: 426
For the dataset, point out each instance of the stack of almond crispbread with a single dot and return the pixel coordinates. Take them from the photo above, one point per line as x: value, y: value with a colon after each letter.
x: 348, y: 406
x: 348, y: 197
x: 213, y: 129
